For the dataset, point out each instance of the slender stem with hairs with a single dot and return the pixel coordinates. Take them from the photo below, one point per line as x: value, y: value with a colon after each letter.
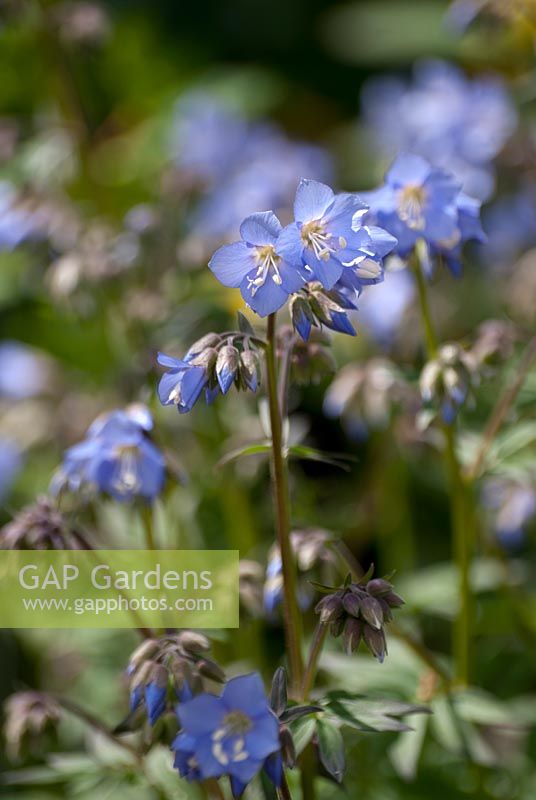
x: 461, y: 534
x: 293, y: 631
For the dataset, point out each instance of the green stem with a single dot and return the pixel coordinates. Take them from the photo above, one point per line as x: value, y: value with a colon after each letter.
x: 148, y: 526
x: 460, y: 532
x: 309, y: 675
x: 280, y: 488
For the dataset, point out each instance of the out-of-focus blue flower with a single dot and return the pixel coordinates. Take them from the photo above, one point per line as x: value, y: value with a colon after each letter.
x: 23, y: 373
x: 229, y: 735
x: 509, y: 222
x: 10, y: 465
x: 263, y: 265
x: 328, y: 238
x: 421, y: 202
x: 381, y: 310
x: 455, y: 123
x: 513, y: 504
x: 116, y: 457
x: 17, y: 222
x: 244, y: 165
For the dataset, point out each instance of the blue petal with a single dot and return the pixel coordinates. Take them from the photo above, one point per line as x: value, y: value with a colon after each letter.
x: 273, y: 766
x: 312, y: 200
x: 168, y: 361
x: 245, y: 693
x: 155, y: 700
x: 260, y: 229
x: 267, y: 299
x: 327, y: 272
x: 192, y: 384
x: 201, y: 715
x: 244, y: 771
x: 263, y: 739
x: 237, y: 787
x: 408, y: 169
x: 303, y: 325
x: 231, y: 263
x: 382, y: 241
x: 290, y: 245
x: 225, y: 378
x: 166, y: 386
x: 341, y: 323
x: 136, y: 697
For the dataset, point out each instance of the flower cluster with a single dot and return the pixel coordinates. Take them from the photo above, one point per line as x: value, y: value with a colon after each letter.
x: 422, y: 203
x: 117, y: 457
x: 41, y: 526
x: 366, y: 396
x: 454, y: 122
x: 162, y: 672
x: 359, y: 612
x: 446, y: 380
x: 28, y: 717
x: 212, y: 365
x: 235, y: 734
x: 327, y: 243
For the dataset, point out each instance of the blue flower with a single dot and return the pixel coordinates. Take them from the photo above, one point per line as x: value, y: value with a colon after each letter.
x: 23, y: 372
x: 259, y: 265
x: 329, y: 239
x: 229, y: 735
x: 381, y: 310
x: 514, y: 506
x: 117, y: 457
x: 421, y: 202
x: 456, y: 123
x: 183, y: 383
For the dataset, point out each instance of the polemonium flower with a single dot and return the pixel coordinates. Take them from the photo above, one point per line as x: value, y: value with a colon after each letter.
x: 232, y: 734
x: 329, y: 239
x: 509, y: 222
x: 455, y: 122
x: 117, y: 457
x: 419, y: 202
x: 17, y: 221
x: 262, y: 265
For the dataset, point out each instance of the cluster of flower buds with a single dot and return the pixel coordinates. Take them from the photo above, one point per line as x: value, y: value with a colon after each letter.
x: 359, y: 612
x: 446, y: 381
x: 168, y: 670
x: 29, y: 716
x: 41, y: 526
x: 311, y: 360
x: 365, y: 396
x: 212, y: 365
x: 315, y: 306
x: 311, y: 548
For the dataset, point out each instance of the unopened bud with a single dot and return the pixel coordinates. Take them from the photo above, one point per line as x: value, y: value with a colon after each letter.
x: 330, y: 608
x: 288, y: 750
x: 210, y: 340
x: 353, y: 633
x: 227, y: 366
x: 250, y: 369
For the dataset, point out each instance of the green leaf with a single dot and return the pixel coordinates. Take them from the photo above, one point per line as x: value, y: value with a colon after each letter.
x: 371, y: 715
x: 297, y: 712
x: 262, y: 448
x: 406, y: 751
x: 305, y: 453
x: 302, y: 732
x: 244, y: 325
x: 331, y: 749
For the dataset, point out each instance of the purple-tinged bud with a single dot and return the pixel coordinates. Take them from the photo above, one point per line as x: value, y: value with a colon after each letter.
x: 352, y: 603
x: 386, y: 611
x: 142, y: 675
x: 226, y: 367
x: 378, y: 587
x: 193, y: 641
x: 209, y: 669
x: 330, y: 608
x: 145, y: 651
x: 250, y: 369
x: 210, y: 340
x: 337, y: 627
x: 206, y: 359
x: 394, y: 600
x: 353, y: 633
x: 288, y: 750
x: 371, y: 611
x: 302, y: 316
x: 375, y: 641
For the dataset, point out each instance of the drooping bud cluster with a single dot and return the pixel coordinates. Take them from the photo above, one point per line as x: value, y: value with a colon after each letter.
x: 315, y: 306
x: 168, y: 670
x: 29, y: 716
x: 310, y: 361
x: 366, y: 396
x: 312, y: 553
x: 41, y: 526
x: 446, y: 381
x: 359, y: 611
x: 212, y: 364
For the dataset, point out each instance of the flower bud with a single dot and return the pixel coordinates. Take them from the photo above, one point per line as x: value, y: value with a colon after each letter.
x: 145, y: 651
x: 226, y: 367
x: 375, y: 641
x: 28, y: 717
x: 288, y: 750
x: 193, y: 641
x: 210, y: 340
x: 371, y: 611
x: 250, y: 369
x: 353, y: 633
x: 302, y: 316
x: 378, y: 587
x: 352, y: 603
x: 330, y: 608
